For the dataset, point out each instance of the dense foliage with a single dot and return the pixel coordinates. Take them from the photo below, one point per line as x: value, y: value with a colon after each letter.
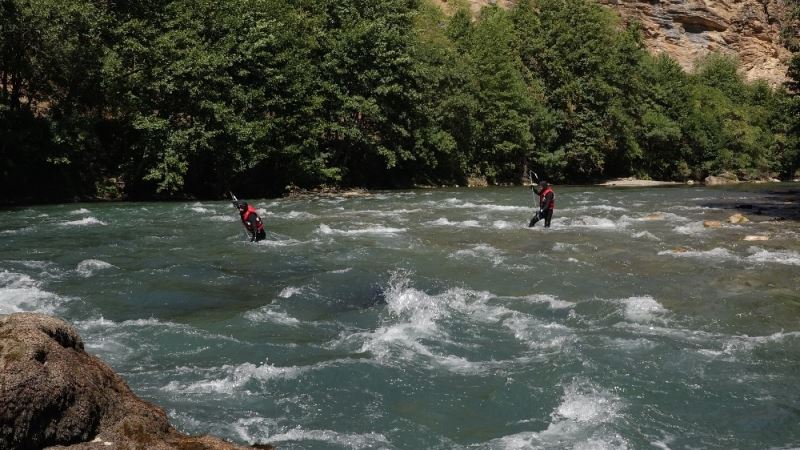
x: 193, y: 97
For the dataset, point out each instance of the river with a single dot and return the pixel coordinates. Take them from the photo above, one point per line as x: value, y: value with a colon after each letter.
x: 436, y: 318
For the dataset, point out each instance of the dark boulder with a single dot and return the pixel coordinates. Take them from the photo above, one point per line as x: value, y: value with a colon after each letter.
x: 54, y: 394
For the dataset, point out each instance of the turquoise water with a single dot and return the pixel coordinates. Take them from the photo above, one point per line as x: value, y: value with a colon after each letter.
x: 435, y: 319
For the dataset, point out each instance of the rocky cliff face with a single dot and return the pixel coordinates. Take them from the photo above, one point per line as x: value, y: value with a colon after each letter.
x: 688, y: 29
x: 54, y: 394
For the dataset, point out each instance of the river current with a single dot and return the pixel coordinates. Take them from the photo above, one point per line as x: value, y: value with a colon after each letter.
x: 436, y: 318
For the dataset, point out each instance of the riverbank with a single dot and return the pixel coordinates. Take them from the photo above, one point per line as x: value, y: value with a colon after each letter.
x: 636, y: 182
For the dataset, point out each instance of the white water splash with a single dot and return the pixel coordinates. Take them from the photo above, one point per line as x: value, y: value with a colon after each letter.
x: 271, y: 314
x: 482, y: 251
x: 444, y: 222
x: 290, y: 291
x: 229, y: 379
x: 88, y: 267
x: 21, y: 293
x: 375, y: 229
x: 86, y: 221
x: 580, y: 421
x: 261, y: 430
x: 643, y: 309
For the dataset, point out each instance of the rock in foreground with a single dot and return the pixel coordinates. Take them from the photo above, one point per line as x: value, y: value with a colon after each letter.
x: 55, y: 394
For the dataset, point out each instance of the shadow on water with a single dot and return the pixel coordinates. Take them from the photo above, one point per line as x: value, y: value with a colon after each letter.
x: 777, y: 204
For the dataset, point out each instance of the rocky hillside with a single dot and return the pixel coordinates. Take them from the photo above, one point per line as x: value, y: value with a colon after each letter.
x: 688, y: 29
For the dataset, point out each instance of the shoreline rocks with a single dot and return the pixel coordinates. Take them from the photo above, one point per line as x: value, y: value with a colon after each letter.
x: 54, y: 394
x: 635, y: 182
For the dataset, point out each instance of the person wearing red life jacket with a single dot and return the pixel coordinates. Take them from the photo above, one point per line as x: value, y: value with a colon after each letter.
x: 547, y: 202
x: 252, y: 222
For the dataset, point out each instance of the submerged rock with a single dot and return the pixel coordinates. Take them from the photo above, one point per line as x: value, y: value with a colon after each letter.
x: 738, y: 218
x: 54, y: 394
x: 654, y: 217
x: 712, y: 224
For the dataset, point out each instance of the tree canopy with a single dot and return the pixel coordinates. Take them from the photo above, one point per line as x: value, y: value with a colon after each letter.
x: 146, y: 99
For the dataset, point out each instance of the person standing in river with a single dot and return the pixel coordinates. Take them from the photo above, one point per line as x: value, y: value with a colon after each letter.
x: 252, y: 222
x: 547, y: 202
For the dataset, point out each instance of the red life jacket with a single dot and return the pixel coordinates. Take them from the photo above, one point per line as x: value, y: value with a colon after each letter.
x: 543, y: 202
x: 246, y: 217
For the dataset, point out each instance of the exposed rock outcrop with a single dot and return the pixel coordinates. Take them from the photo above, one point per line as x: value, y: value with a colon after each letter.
x: 689, y: 29
x: 54, y: 394
x: 723, y: 178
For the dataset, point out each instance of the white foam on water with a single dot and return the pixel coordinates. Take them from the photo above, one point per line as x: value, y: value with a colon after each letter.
x: 84, y: 222
x: 713, y: 345
x: 643, y: 309
x: 290, y: 291
x: 539, y: 335
x: 505, y: 225
x: 549, y: 300
x: 283, y: 242
x: 88, y: 267
x: 105, y: 326
x: 581, y: 421
x: 17, y: 231
x: 646, y: 235
x: 457, y: 203
x: 444, y: 222
x: 223, y: 218
x: 413, y: 318
x: 200, y: 209
x: 590, y: 222
x: 375, y: 229
x: 746, y: 344
x: 608, y: 208
x: 482, y: 251
x: 562, y: 247
x: 345, y: 270
x: 34, y: 264
x: 758, y: 254
x: 229, y: 379
x: 689, y: 208
x: 271, y: 314
x: 261, y: 430
x: 80, y: 211
x: 659, y: 216
x: 298, y: 215
x: 21, y: 293
x: 717, y: 254
x: 691, y: 228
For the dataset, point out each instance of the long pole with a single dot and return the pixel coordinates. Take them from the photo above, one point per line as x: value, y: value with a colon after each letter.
x: 244, y: 228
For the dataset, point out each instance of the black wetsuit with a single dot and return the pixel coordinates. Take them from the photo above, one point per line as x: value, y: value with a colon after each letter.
x: 253, y: 224
x: 546, y: 206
